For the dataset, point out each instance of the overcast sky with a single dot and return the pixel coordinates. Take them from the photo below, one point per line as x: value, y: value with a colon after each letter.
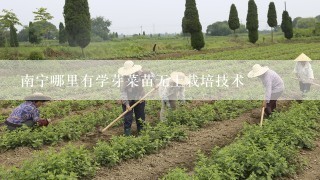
x: 160, y: 16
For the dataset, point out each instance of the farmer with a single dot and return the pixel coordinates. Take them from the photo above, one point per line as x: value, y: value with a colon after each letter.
x: 304, y: 73
x: 131, y: 91
x: 28, y: 113
x: 273, y: 84
x: 172, y: 89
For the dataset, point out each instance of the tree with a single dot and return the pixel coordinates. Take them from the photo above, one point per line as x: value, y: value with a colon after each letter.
x: 62, y: 34
x: 13, y: 36
x: 233, y: 21
x: 252, y: 22
x: 46, y: 29
x: 306, y: 23
x: 23, y: 35
x: 272, y: 18
x: 42, y: 16
x: 9, y: 18
x: 197, y: 40
x: 190, y: 21
x: 295, y: 21
x: 286, y: 25
x: 33, y: 37
x: 2, y: 36
x: 318, y: 18
x: 77, y: 22
x: 191, y: 24
x: 100, y: 27
x: 222, y: 29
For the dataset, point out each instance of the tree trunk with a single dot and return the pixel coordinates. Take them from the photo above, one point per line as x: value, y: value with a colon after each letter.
x: 82, y: 53
x: 271, y: 34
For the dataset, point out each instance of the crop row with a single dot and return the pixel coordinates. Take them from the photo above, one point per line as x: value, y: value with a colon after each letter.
x: 262, y: 153
x: 53, y: 166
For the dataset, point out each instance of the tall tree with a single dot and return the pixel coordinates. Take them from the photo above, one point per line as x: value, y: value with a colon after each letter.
x: 191, y: 24
x: 190, y: 21
x: 8, y: 20
x: 272, y: 18
x: 77, y: 22
x: 252, y: 22
x: 62, y: 34
x: 100, y: 27
x: 33, y: 37
x: 233, y: 21
x: 41, y: 15
x: 13, y: 36
x: 286, y: 25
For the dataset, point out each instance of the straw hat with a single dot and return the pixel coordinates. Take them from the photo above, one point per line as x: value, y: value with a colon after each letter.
x: 129, y: 68
x: 257, y: 70
x: 302, y: 57
x: 37, y: 97
x: 179, y: 78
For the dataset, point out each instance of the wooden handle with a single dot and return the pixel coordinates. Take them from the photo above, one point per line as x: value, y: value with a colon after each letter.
x: 135, y: 104
x: 262, y: 113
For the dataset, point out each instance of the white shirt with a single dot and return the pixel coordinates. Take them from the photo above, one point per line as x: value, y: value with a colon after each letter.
x: 169, y: 91
x: 305, y: 73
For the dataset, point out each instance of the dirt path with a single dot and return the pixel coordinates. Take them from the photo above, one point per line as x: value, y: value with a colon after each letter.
x: 311, y: 171
x: 181, y: 154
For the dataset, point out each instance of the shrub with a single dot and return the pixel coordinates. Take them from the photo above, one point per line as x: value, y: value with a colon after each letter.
x: 36, y: 55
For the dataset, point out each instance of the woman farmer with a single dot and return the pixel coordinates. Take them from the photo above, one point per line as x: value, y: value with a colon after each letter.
x: 172, y: 89
x: 273, y: 84
x: 28, y: 113
x: 131, y: 91
x: 304, y: 73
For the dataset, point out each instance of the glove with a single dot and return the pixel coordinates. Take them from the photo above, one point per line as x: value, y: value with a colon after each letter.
x: 43, y: 122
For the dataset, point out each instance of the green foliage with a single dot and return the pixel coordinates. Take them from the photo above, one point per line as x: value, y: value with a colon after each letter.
x: 9, y: 18
x: 122, y: 147
x: 272, y: 15
x: 100, y: 27
x: 63, y: 36
x: 253, y: 36
x: 286, y: 25
x: 23, y: 35
x: 305, y: 23
x: 233, y: 21
x: 222, y: 29
x: 252, y: 21
x: 303, y: 32
x: 36, y: 55
x: 197, y: 40
x: 267, y: 152
x: 177, y: 174
x: 70, y: 163
x: 42, y: 15
x: 13, y: 36
x: 45, y: 29
x: 34, y: 37
x: 190, y: 21
x: 77, y: 22
x: 272, y: 18
x: 2, y: 38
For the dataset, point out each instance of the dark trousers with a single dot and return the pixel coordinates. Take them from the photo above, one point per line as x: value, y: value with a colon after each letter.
x: 12, y: 127
x: 138, y: 113
x: 304, y: 87
x: 271, y: 106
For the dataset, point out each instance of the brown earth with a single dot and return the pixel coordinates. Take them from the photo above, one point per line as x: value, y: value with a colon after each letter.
x: 179, y: 154
x: 311, y: 170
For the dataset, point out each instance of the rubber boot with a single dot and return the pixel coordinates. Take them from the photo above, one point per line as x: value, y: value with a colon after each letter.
x: 127, y: 132
x: 139, y: 129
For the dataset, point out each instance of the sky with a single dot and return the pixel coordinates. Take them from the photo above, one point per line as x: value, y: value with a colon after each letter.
x: 160, y: 16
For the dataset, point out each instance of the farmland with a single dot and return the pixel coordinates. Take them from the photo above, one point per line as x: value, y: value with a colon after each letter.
x: 225, y: 132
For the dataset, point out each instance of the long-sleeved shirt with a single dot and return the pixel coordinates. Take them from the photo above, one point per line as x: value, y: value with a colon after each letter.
x: 272, y: 83
x: 169, y: 91
x: 24, y: 112
x: 304, y: 72
x: 132, y: 86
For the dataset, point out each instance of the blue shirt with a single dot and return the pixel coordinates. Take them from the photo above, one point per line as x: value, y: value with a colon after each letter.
x: 24, y: 112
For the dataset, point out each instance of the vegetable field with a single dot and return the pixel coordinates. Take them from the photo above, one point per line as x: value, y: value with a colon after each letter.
x: 200, y: 140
